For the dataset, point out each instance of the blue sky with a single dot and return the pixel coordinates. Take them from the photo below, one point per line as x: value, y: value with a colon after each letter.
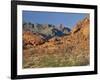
x: 56, y: 18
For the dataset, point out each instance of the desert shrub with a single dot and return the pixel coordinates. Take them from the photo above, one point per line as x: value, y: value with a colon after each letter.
x: 56, y: 60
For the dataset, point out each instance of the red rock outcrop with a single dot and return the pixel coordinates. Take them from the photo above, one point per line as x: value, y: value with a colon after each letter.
x: 30, y: 39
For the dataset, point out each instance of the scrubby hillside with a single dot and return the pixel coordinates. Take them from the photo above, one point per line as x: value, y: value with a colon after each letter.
x: 66, y: 50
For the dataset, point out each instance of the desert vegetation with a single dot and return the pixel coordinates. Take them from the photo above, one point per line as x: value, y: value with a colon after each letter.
x: 45, y: 45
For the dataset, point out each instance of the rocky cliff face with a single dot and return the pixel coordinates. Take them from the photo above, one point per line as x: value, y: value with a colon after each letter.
x: 82, y: 27
x: 78, y: 35
x: 46, y: 30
